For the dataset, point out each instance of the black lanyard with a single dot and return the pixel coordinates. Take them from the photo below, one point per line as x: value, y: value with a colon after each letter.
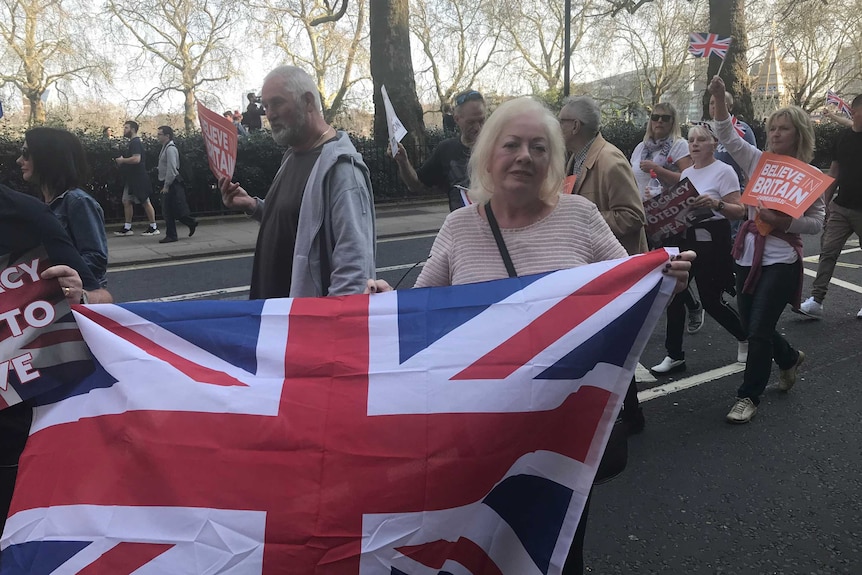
x: 501, y: 245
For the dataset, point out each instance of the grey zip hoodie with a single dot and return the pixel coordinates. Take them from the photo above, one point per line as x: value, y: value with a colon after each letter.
x: 336, y: 224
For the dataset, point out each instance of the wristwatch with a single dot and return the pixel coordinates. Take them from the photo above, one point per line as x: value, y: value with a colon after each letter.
x: 720, y: 206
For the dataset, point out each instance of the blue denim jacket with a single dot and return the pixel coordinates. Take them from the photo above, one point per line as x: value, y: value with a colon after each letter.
x: 83, y: 219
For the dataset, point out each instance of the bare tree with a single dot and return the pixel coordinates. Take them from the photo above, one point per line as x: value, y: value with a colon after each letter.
x: 331, y: 46
x: 187, y: 40
x: 819, y: 51
x: 392, y: 66
x: 727, y: 18
x: 534, y: 31
x: 458, y: 42
x: 656, y: 40
x: 44, y: 46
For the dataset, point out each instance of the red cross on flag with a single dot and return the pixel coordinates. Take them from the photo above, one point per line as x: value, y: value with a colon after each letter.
x: 704, y: 45
x: 453, y: 430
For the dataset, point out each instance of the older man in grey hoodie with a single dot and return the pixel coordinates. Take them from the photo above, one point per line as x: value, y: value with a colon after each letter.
x: 317, y: 229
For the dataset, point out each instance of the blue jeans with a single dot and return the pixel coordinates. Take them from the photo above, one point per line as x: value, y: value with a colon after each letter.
x: 760, y: 312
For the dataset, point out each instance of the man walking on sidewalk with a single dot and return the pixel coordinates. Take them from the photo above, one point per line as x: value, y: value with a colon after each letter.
x: 137, y: 184
x: 317, y: 233
x: 844, y: 213
x: 174, y: 205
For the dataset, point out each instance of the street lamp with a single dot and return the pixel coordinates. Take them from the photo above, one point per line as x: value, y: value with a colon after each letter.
x: 567, y: 42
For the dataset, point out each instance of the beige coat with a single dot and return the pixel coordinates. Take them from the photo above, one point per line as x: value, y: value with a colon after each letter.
x: 607, y: 180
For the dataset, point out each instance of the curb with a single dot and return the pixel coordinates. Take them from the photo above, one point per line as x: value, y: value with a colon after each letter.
x: 164, y: 258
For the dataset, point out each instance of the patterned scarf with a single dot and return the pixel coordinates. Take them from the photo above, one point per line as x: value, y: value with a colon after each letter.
x: 578, y: 159
x: 661, y: 146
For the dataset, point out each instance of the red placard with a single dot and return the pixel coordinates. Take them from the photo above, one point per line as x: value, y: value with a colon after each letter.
x: 785, y: 184
x: 569, y: 184
x: 40, y: 345
x: 670, y: 213
x: 220, y: 140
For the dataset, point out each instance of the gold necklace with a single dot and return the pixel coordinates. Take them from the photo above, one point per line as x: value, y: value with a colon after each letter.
x: 320, y: 138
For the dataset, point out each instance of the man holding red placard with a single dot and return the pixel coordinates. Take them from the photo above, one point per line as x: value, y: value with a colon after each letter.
x: 317, y: 232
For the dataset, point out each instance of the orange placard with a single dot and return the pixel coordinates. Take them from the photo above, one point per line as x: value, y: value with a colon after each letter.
x: 220, y: 141
x: 569, y: 184
x: 785, y: 184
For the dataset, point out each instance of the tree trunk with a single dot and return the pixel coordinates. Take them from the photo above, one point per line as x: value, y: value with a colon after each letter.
x: 392, y: 66
x: 37, y: 109
x: 190, y: 117
x: 727, y: 18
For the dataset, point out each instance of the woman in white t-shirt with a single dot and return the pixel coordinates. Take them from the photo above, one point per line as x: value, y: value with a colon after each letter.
x: 768, y: 267
x: 663, y: 149
x: 718, y: 186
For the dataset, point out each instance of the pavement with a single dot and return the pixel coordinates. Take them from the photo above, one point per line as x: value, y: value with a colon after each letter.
x: 238, y: 234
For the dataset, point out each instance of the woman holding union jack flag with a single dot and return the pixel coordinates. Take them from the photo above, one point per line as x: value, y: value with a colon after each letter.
x: 768, y: 254
x: 519, y: 223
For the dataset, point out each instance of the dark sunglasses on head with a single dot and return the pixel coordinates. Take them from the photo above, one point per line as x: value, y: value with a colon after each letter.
x: 706, y: 125
x: 662, y: 117
x: 25, y: 153
x: 468, y: 97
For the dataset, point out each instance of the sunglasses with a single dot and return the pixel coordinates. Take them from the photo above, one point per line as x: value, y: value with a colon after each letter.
x: 662, y: 117
x: 25, y: 153
x: 468, y: 97
x: 706, y: 125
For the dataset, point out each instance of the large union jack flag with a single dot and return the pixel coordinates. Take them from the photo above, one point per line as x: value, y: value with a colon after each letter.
x: 836, y: 100
x: 448, y: 430
x: 704, y: 45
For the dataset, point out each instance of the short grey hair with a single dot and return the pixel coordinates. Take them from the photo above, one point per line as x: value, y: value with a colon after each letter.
x: 297, y: 82
x: 586, y: 110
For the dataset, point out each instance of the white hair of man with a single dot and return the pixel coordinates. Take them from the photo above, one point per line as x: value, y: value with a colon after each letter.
x: 297, y: 82
x: 586, y: 110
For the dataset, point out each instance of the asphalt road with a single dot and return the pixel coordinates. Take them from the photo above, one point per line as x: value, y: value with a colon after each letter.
x: 781, y: 495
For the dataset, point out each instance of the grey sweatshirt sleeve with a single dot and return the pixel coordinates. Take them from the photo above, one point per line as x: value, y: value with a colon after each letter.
x: 172, y: 165
x: 352, y: 230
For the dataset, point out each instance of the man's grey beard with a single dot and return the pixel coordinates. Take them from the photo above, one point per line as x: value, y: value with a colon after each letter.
x: 291, y: 134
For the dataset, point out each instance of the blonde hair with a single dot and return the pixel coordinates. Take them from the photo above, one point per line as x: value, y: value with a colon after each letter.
x: 481, y: 185
x: 804, y: 131
x: 668, y: 108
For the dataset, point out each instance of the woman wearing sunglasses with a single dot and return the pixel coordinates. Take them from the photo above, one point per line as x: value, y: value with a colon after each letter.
x: 663, y: 151
x: 710, y: 238
x: 54, y: 163
x: 768, y: 264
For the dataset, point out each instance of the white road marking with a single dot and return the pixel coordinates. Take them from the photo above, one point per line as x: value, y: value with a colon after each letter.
x: 248, y: 254
x: 839, y: 283
x: 240, y: 289
x: 196, y: 295
x: 643, y: 375
x: 692, y: 381
x: 170, y: 263
x: 816, y: 257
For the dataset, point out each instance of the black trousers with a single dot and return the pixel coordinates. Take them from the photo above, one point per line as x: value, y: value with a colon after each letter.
x: 175, y: 207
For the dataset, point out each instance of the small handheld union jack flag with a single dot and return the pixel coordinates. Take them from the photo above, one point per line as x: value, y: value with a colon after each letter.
x: 737, y: 126
x: 704, y: 45
x: 833, y: 98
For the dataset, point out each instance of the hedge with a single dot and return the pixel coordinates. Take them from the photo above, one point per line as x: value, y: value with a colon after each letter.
x: 258, y: 158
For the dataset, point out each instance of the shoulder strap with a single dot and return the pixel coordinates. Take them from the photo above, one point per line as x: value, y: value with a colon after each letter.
x: 501, y: 245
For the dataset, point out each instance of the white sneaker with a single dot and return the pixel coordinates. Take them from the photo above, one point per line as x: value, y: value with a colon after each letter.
x: 742, y: 352
x: 811, y: 308
x: 742, y: 411
x: 669, y: 365
x: 859, y: 313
